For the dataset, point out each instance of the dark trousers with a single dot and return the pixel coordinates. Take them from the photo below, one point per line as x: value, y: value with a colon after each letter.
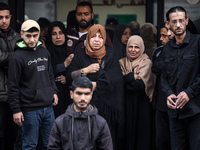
x: 8, y: 129
x: 185, y: 133
x: 162, y: 131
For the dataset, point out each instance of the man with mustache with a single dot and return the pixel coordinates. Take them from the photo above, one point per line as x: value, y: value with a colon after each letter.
x: 8, y: 38
x: 80, y: 127
x: 31, y: 88
x: 76, y: 35
x: 180, y: 81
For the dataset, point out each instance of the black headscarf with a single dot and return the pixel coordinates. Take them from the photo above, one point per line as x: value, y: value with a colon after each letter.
x: 57, y: 52
x: 118, y: 47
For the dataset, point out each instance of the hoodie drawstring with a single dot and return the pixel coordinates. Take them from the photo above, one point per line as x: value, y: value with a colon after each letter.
x: 89, y: 127
x: 72, y: 127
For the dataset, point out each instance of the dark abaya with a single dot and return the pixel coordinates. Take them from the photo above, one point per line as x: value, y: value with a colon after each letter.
x: 138, y: 115
x: 108, y: 97
x: 58, y: 56
x: 118, y: 47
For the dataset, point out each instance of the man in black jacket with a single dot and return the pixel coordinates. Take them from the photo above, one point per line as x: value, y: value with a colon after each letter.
x: 31, y: 87
x: 180, y: 81
x: 161, y: 118
x: 80, y: 127
x: 8, y: 38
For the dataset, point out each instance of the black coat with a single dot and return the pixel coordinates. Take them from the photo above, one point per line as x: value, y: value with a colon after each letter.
x: 80, y: 131
x: 108, y: 96
x: 139, y: 112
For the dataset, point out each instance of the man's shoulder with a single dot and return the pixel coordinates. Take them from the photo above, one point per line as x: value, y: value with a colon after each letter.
x: 12, y: 34
x: 72, y: 31
x: 158, y: 50
x: 100, y: 120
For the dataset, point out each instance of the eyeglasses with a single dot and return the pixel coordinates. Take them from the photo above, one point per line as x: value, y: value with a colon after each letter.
x: 180, y: 21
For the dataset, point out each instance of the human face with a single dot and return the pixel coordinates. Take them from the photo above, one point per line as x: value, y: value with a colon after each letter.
x: 163, y: 36
x: 178, y: 23
x: 30, y: 38
x: 96, y: 42
x: 58, y: 37
x: 81, y: 98
x: 126, y: 35
x: 133, y: 51
x: 84, y: 16
x: 5, y: 19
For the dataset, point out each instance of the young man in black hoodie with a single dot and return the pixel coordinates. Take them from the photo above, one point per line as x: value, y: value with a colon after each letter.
x: 80, y: 127
x: 31, y: 87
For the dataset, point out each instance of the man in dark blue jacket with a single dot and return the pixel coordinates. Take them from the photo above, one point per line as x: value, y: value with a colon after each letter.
x: 80, y: 127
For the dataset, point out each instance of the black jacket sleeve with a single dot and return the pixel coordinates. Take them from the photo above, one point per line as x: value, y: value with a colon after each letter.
x: 132, y: 84
x: 51, y: 75
x: 104, y: 141
x: 54, y: 138
x: 13, y: 84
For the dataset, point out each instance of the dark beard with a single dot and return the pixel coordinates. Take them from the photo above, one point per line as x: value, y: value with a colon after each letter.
x: 178, y: 34
x: 84, y: 26
x: 80, y: 108
x: 30, y: 47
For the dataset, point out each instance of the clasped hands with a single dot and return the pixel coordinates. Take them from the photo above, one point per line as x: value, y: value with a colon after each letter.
x: 179, y: 101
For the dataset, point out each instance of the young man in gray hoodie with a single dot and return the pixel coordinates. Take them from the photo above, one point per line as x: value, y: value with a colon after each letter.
x: 80, y: 127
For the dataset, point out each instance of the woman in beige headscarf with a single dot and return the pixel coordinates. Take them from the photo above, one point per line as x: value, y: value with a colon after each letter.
x: 139, y: 87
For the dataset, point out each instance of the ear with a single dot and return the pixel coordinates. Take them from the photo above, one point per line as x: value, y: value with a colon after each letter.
x: 71, y: 94
x: 21, y: 33
x: 92, y: 15
x: 167, y: 24
x: 187, y: 20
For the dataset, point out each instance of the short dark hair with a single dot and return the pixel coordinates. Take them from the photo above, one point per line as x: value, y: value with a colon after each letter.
x: 112, y: 21
x: 4, y: 6
x: 163, y: 26
x: 83, y: 82
x: 84, y: 3
x: 175, y: 9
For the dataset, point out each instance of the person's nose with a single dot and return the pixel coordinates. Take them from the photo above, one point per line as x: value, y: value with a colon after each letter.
x: 83, y: 97
x: 178, y: 24
x: 83, y: 16
x: 96, y: 38
x: 161, y: 38
x: 58, y: 36
x: 4, y: 19
x: 32, y: 39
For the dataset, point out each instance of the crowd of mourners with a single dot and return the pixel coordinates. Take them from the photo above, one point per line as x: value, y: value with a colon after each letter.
x: 87, y: 86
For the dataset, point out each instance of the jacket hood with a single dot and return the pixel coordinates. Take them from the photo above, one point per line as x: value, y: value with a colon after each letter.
x: 21, y: 45
x: 92, y: 112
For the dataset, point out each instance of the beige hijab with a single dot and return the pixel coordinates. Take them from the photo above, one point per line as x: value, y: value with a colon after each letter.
x: 141, y: 65
x: 99, y: 54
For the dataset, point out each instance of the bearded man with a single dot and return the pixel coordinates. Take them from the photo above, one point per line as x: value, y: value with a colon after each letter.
x: 76, y: 36
x: 180, y: 81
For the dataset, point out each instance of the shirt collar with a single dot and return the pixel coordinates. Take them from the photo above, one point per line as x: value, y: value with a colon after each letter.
x: 186, y: 40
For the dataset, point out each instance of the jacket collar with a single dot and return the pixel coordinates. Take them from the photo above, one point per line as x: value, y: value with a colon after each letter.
x: 186, y: 40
